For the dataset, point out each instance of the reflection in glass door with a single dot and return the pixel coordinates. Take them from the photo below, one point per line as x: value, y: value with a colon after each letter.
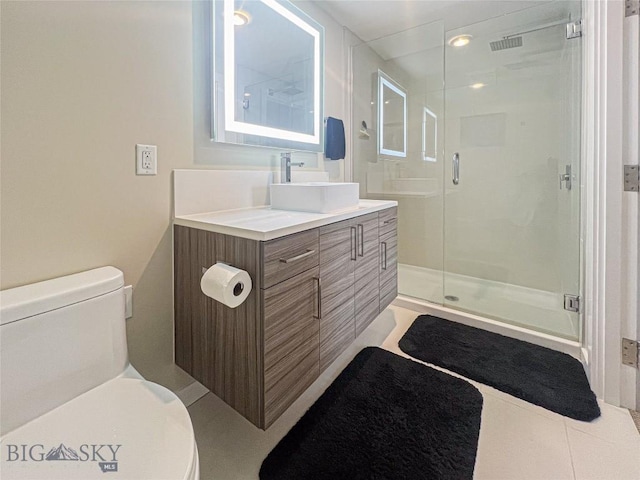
x: 398, y: 145
x: 511, y: 171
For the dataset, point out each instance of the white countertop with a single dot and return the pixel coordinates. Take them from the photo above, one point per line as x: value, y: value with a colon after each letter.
x: 263, y: 223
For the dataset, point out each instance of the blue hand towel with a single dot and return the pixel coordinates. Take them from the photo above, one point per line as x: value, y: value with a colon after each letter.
x: 334, y: 141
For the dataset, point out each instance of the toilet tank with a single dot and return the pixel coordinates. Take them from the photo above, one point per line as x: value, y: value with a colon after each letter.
x: 58, y: 339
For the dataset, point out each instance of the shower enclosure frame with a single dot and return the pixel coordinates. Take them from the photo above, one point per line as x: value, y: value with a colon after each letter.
x: 601, y: 222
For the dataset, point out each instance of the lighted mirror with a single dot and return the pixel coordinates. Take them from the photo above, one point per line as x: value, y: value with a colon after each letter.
x: 268, y: 75
x: 429, y: 135
x: 392, y: 117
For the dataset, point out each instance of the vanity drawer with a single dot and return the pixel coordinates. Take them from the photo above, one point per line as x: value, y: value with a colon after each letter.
x: 288, y: 256
x: 387, y: 220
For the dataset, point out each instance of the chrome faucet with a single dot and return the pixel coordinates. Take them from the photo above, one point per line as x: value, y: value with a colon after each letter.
x: 285, y: 167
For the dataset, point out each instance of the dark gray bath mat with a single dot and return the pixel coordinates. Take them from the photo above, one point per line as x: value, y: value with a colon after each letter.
x: 544, y: 377
x: 384, y: 417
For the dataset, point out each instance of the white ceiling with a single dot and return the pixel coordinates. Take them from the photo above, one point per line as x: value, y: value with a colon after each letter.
x: 373, y: 19
x: 403, y: 31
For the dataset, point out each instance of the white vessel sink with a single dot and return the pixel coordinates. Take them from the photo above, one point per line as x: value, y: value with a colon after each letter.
x: 316, y: 197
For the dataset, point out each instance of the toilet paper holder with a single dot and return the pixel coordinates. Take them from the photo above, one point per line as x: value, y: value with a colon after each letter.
x: 204, y: 269
x: 240, y: 283
x: 237, y: 289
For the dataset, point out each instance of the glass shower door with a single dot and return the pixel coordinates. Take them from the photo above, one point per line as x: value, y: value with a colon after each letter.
x: 511, y: 176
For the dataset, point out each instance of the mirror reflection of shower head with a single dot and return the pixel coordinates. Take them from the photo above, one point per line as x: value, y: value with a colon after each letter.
x: 505, y: 43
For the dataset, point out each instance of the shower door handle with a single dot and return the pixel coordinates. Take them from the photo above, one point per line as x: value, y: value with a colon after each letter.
x: 456, y: 168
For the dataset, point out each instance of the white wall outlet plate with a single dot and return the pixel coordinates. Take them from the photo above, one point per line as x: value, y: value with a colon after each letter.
x: 146, y: 159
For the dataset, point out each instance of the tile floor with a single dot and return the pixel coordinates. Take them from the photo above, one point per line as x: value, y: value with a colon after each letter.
x: 517, y: 440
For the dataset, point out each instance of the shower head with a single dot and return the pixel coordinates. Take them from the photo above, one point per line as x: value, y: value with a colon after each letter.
x: 507, y: 42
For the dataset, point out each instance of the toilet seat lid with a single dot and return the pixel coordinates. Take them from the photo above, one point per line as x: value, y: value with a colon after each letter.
x: 123, y: 429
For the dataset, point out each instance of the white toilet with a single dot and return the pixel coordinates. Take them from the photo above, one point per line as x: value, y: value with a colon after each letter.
x: 71, y: 405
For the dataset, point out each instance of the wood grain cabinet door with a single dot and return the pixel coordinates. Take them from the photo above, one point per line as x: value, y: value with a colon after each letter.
x: 367, y: 286
x: 290, y: 341
x: 337, y: 266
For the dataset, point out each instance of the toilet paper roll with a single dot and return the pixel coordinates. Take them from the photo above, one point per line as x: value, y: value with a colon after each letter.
x: 226, y: 284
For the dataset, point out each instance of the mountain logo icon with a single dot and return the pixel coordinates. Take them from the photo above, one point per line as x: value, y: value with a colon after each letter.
x: 62, y: 453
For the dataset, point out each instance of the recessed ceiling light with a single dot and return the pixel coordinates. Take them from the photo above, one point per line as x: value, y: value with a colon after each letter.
x: 478, y: 85
x: 460, y: 40
x: 240, y: 18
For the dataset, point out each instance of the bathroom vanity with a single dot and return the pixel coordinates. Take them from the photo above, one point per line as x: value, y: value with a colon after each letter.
x: 318, y: 282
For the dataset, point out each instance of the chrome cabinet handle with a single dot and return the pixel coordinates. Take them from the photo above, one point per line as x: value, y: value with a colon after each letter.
x: 456, y: 168
x: 354, y: 242
x: 390, y: 221
x: 319, y: 298
x: 361, y: 242
x: 308, y: 253
x: 384, y: 255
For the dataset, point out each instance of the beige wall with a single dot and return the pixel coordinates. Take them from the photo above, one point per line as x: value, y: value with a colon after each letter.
x: 82, y: 83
